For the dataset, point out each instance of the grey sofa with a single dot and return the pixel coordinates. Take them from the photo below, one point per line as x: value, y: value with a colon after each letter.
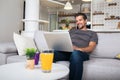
x: 101, y: 66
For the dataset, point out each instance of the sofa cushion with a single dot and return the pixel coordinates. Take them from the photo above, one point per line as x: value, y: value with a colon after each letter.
x: 7, y: 47
x: 101, y: 69
x: 16, y: 58
x: 108, y: 45
x: 3, y: 57
x: 22, y: 43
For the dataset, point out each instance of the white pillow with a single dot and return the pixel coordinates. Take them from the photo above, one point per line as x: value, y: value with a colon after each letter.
x: 22, y: 43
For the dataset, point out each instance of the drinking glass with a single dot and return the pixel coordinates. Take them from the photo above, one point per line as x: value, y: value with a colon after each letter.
x: 46, y: 60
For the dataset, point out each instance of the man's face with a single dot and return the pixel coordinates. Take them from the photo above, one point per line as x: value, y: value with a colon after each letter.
x: 81, y: 23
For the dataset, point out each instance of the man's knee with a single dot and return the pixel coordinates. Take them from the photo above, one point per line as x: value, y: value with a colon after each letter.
x: 78, y: 55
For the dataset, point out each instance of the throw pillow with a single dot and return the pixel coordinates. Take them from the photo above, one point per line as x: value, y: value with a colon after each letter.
x: 22, y: 43
x: 117, y: 56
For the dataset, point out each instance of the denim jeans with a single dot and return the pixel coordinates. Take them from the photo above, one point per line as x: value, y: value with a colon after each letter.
x: 76, y: 59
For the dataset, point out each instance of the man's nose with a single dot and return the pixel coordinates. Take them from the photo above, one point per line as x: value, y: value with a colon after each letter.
x: 78, y: 22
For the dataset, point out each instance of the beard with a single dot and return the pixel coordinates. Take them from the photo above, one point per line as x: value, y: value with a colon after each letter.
x: 79, y: 26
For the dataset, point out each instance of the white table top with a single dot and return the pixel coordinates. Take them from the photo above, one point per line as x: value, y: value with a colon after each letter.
x: 18, y: 71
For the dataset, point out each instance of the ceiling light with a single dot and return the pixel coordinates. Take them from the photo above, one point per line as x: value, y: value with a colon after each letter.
x: 68, y: 6
x: 86, y: 0
x: 108, y: 0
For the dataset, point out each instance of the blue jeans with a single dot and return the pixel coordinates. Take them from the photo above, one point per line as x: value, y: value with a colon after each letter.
x: 76, y: 59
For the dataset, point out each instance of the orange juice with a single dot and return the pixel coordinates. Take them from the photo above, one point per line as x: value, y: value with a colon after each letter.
x: 46, y: 61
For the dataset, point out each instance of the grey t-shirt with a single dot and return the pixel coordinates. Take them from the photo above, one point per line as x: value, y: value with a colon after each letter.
x: 81, y: 38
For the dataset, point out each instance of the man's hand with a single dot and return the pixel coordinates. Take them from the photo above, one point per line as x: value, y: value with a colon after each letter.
x: 88, y: 49
x: 76, y: 48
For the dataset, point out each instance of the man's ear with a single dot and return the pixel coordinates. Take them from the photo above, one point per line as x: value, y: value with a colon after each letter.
x: 86, y: 21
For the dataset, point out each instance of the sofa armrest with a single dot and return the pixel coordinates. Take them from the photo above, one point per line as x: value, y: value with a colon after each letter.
x: 8, y: 47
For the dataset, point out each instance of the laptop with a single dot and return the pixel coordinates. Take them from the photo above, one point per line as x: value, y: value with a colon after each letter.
x: 60, y: 41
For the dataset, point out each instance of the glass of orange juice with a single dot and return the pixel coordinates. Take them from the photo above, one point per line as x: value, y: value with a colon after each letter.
x: 46, y: 60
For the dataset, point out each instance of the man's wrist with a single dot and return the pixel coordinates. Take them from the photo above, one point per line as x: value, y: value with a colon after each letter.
x: 82, y: 49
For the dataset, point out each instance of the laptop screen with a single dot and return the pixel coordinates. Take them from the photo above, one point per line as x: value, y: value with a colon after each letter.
x: 60, y: 41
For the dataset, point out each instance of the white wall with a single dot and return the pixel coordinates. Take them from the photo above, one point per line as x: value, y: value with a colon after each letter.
x: 99, y: 21
x: 44, y: 15
x: 11, y: 12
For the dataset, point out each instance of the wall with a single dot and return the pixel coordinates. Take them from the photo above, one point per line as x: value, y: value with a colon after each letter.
x: 11, y: 12
x: 44, y: 15
x: 103, y: 12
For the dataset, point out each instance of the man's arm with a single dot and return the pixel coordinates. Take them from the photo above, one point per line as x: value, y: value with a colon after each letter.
x: 88, y: 49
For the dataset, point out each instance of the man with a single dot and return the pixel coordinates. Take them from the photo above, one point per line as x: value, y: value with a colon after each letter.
x: 84, y: 41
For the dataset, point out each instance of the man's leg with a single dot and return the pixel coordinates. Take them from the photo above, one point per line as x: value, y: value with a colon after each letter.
x: 76, y: 64
x: 61, y: 56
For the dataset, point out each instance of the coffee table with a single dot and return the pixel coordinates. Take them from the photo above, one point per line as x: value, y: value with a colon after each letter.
x: 18, y: 71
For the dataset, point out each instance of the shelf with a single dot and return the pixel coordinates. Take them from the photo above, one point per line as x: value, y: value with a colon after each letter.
x: 112, y: 4
x: 70, y: 14
x: 40, y: 21
x: 64, y: 22
x: 65, y: 15
x: 98, y: 13
x: 96, y: 30
x: 112, y: 18
x: 97, y: 24
x: 87, y: 12
x: 107, y: 30
x: 43, y: 21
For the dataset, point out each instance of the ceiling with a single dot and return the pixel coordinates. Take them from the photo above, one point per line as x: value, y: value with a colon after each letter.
x: 73, y: 2
x: 51, y: 4
x: 56, y: 4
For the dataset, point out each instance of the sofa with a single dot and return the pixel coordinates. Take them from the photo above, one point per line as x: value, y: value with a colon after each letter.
x: 102, y: 65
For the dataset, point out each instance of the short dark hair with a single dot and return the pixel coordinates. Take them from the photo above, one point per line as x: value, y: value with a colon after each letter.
x: 81, y: 14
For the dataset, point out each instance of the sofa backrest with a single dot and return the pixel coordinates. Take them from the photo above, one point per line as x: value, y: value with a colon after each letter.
x: 108, y: 45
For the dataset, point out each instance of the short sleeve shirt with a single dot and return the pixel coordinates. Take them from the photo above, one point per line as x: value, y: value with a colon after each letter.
x: 81, y: 38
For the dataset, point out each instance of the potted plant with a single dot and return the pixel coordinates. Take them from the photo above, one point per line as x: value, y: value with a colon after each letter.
x: 67, y: 22
x: 30, y: 53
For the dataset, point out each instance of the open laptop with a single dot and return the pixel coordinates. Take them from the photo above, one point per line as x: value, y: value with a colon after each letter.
x: 59, y: 41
